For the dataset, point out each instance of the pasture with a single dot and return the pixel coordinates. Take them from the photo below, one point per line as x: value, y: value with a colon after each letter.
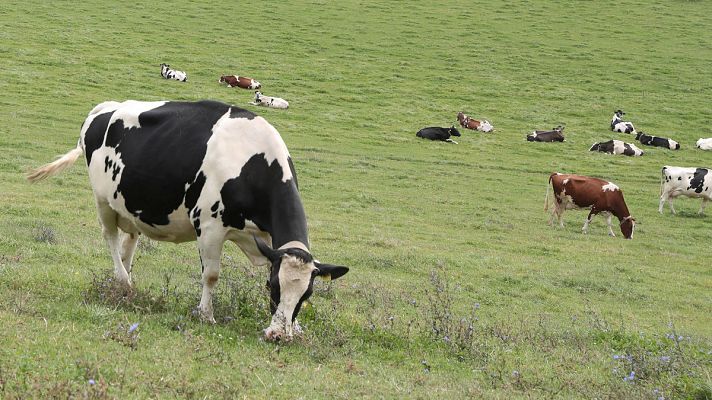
x: 457, y: 288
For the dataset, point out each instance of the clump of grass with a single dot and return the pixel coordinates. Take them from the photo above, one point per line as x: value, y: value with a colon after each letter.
x: 44, y: 234
x: 124, y: 334
x: 105, y: 289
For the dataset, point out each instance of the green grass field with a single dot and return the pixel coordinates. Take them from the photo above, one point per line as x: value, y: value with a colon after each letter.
x: 458, y: 288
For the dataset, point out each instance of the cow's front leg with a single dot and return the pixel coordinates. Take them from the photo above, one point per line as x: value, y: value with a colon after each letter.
x: 702, y: 206
x: 610, y: 228
x: 128, y: 248
x: 210, y: 248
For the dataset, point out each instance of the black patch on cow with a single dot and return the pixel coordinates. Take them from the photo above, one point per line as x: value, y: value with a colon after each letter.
x: 193, y: 192
x: 115, y: 171
x: 214, y: 209
x: 259, y: 195
x: 698, y: 180
x: 679, y: 178
x: 94, y: 135
x: 236, y: 112
x: 116, y: 194
x: 163, y: 156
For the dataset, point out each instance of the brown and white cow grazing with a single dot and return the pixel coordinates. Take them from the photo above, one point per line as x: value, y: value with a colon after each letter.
x: 240, y: 81
x: 583, y: 192
x: 476, y: 125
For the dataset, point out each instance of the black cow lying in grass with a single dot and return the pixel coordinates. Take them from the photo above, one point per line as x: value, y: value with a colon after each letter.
x: 437, y: 133
x: 657, y: 141
x: 554, y: 135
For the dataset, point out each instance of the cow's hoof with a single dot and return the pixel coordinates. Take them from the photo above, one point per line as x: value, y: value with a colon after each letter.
x: 203, y: 315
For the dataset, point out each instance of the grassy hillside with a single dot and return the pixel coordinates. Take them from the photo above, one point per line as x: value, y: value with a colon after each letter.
x: 458, y: 288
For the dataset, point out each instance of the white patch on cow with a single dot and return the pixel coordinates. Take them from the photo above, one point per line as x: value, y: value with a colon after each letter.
x: 704, y: 144
x: 610, y: 187
x: 618, y: 147
x: 485, y: 126
x: 566, y: 181
x: 129, y: 111
x: 636, y: 149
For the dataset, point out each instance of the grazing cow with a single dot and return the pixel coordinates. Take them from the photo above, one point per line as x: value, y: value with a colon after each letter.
x: 704, y: 144
x: 618, y: 125
x: 169, y: 73
x: 268, y: 101
x: 689, y: 182
x: 476, y: 125
x: 617, y: 147
x: 657, y: 141
x: 438, y: 133
x: 239, y: 81
x: 583, y: 192
x: 554, y: 135
x: 205, y: 171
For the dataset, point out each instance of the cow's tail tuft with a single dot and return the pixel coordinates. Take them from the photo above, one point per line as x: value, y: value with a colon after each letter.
x: 546, y: 198
x: 56, y: 166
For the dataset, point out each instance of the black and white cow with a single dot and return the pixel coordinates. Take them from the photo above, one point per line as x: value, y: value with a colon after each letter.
x: 169, y: 73
x: 617, y: 147
x: 618, y: 125
x: 657, y: 141
x: 554, y: 135
x: 205, y: 171
x: 269, y: 101
x: 689, y: 182
x: 438, y: 133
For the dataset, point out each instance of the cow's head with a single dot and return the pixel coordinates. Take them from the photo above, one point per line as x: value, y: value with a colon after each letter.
x: 619, y: 113
x: 628, y: 227
x: 254, y: 84
x: 453, y: 131
x: 223, y: 79
x: 257, y: 96
x: 292, y: 274
x: 485, y: 126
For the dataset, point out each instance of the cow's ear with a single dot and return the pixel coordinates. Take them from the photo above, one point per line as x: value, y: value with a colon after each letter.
x: 328, y: 271
x: 271, y: 254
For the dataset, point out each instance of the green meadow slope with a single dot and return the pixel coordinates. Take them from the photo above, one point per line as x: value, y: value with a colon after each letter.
x: 458, y: 288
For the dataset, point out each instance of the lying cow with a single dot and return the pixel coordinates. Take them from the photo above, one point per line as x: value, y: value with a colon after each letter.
x: 268, y: 101
x: 169, y: 73
x: 437, y: 133
x: 205, y: 171
x: 239, y: 81
x: 474, y: 124
x: 657, y: 141
x: 689, y: 182
x: 583, y: 192
x: 617, y: 147
x: 618, y: 125
x: 554, y: 135
x: 704, y: 144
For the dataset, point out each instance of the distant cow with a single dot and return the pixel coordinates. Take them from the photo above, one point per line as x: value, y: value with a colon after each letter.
x: 583, y: 192
x: 617, y: 147
x: 268, y: 101
x: 618, y: 125
x: 437, y: 133
x: 239, y: 81
x: 704, y: 144
x: 657, y: 141
x: 200, y: 171
x: 474, y: 124
x: 169, y: 73
x: 554, y: 135
x: 689, y: 182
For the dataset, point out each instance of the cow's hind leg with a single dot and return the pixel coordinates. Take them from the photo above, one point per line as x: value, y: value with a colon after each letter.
x: 588, y: 221
x: 109, y: 219
x: 210, y: 245
x: 128, y: 248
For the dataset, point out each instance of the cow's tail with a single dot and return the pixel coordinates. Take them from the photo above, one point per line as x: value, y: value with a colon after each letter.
x: 56, y: 166
x: 662, y: 176
x: 546, y: 198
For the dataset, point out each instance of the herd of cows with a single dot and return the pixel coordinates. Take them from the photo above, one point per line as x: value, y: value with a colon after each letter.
x: 211, y: 172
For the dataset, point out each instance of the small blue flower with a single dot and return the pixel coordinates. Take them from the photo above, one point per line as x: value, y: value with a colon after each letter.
x: 665, y: 358
x: 133, y: 327
x: 679, y: 338
x: 92, y: 382
x: 616, y: 356
x: 477, y: 305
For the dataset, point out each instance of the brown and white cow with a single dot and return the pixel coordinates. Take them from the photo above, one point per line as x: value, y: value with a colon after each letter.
x: 583, y: 192
x: 476, y: 125
x: 240, y: 81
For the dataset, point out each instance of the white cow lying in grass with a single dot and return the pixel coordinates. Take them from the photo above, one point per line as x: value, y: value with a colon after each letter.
x: 268, y: 101
x: 705, y: 144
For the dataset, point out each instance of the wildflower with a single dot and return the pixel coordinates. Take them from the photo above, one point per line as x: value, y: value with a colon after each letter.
x: 92, y: 382
x: 665, y: 358
x: 616, y: 356
x: 133, y: 327
x: 477, y: 306
x: 630, y: 377
x: 515, y: 374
